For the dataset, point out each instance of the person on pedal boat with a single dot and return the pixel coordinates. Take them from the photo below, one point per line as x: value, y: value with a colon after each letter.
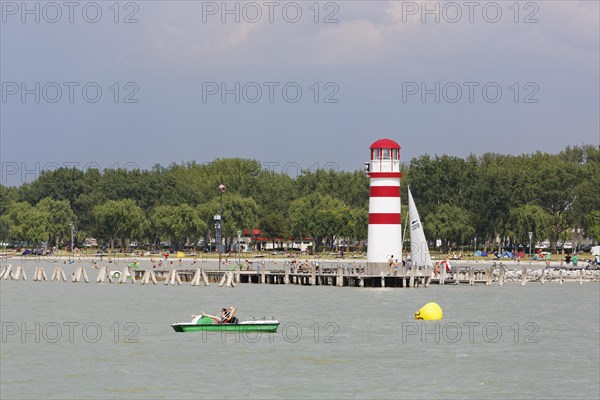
x: 226, y: 316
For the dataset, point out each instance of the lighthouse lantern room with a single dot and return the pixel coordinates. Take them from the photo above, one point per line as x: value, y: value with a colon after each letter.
x: 384, y: 240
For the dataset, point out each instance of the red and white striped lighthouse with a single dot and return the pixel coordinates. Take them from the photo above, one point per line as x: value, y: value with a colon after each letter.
x: 385, y: 222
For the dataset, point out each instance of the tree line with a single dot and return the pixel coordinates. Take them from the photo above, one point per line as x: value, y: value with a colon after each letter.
x: 495, y: 198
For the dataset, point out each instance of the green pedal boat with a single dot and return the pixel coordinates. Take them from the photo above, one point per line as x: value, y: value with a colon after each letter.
x: 200, y: 323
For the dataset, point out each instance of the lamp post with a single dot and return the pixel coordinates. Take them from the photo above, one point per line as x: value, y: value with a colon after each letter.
x: 530, y: 237
x: 239, y: 235
x: 73, y: 239
x: 474, y: 246
x: 217, y: 219
x: 219, y: 224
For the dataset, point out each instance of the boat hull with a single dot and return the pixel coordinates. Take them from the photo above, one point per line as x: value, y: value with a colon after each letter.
x: 269, y: 327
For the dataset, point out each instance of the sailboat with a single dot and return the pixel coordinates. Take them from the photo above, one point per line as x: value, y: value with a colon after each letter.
x: 419, y: 251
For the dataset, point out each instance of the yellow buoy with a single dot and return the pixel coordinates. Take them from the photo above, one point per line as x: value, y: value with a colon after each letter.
x: 430, y: 311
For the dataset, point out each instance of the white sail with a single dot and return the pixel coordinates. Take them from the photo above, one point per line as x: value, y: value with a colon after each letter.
x: 419, y: 251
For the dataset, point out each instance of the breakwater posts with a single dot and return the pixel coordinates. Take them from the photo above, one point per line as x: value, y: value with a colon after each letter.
x: 79, y: 274
x: 58, y: 275
x: 104, y: 274
x: 5, y: 274
x: 148, y: 276
x: 200, y: 275
x: 40, y: 275
x: 339, y: 277
x: 172, y: 277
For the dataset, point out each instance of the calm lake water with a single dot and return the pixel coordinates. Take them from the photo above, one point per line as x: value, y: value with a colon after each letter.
x: 494, y: 342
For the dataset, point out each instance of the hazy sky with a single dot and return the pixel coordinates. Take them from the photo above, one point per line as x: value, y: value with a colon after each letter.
x: 184, y: 81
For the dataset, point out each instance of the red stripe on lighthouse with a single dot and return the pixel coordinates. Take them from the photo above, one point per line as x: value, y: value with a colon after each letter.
x: 385, y: 174
x: 385, y: 218
x: 385, y: 191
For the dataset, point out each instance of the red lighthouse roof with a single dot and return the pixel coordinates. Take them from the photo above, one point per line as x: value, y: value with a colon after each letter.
x: 385, y: 144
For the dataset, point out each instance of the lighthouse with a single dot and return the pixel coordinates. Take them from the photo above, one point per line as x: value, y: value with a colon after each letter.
x: 385, y: 223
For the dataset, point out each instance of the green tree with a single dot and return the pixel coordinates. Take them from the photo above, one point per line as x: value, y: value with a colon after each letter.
x: 593, y: 225
x: 450, y: 224
x: 26, y: 222
x: 273, y: 225
x: 360, y: 225
x: 530, y: 218
x: 558, y: 195
x: 60, y: 216
x: 239, y: 213
x: 7, y: 196
x: 61, y: 184
x: 177, y: 223
x: 319, y: 216
x: 119, y: 219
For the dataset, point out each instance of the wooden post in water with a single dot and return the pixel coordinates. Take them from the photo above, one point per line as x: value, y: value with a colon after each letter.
x: 427, y: 277
x: 561, y: 277
x: 502, y: 275
x: 471, y: 276
x: 581, y: 276
x: 229, y: 281
x: 40, y: 275
x: 413, y: 273
x: 196, y: 279
x: 456, y: 275
x: 490, y: 276
x: 223, y: 278
x: 77, y: 275
x: 543, y: 276
x: 5, y: 272
x: 313, y: 276
x: 443, y: 275
x: 123, y: 277
x: 523, y: 275
x: 58, y: 274
x: 204, y: 277
x: 286, y: 277
x: 17, y: 275
x: 172, y: 277
x: 340, y: 277
x: 148, y: 276
x: 104, y: 273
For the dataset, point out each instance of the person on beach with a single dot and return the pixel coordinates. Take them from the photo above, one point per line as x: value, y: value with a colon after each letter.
x: 396, y: 267
x: 225, y: 317
x: 390, y: 263
x: 568, y: 260
x: 575, y: 260
x: 446, y: 264
x: 547, y: 260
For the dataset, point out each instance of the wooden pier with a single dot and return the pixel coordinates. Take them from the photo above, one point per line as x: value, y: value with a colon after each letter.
x: 341, y: 277
x: 315, y: 276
